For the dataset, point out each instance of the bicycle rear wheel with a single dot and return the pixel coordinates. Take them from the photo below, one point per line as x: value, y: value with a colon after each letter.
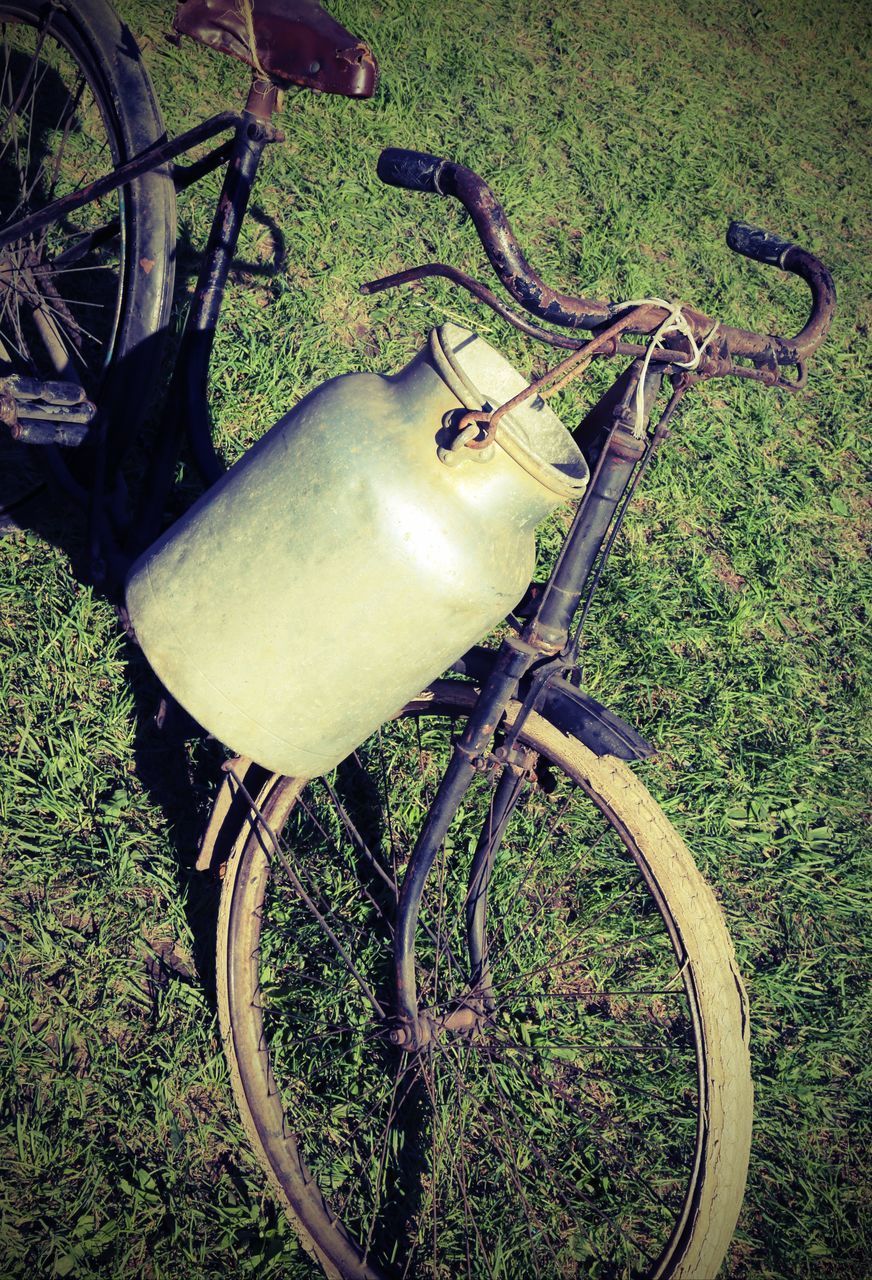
x: 593, y: 1119
x: 87, y: 298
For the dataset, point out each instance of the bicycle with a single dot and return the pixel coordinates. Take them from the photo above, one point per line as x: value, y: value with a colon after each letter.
x: 415, y: 977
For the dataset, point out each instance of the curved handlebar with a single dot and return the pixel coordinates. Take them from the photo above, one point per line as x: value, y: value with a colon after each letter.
x: 417, y: 171
x: 764, y: 246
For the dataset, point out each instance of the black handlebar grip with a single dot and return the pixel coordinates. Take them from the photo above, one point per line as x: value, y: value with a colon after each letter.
x: 762, y: 246
x: 414, y: 170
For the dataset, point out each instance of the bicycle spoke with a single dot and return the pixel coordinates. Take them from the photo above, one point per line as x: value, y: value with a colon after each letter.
x: 469, y: 1217
x: 407, y: 1072
x: 495, y: 955
x: 382, y: 1160
x: 506, y: 1154
x: 55, y: 138
x: 28, y: 190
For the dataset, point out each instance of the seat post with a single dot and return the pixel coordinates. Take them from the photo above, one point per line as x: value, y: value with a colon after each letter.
x: 264, y: 99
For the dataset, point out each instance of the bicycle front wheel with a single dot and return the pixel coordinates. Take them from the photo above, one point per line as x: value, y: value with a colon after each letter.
x: 590, y: 1117
x: 87, y: 298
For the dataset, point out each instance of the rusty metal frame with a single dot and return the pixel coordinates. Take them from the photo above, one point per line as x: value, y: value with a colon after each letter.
x: 766, y: 354
x: 146, y: 162
x: 187, y: 406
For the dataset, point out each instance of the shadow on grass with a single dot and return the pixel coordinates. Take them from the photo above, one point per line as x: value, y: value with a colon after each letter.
x: 176, y: 762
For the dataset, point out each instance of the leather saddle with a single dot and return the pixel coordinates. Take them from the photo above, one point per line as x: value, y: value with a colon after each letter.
x: 284, y: 41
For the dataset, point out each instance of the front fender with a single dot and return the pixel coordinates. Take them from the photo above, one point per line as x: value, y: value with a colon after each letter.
x: 575, y: 712
x: 230, y: 810
x: 572, y: 711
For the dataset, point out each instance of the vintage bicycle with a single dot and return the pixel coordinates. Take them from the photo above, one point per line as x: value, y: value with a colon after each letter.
x: 481, y: 1011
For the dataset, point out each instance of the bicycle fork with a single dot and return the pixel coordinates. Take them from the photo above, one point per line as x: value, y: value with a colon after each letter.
x: 415, y: 1028
x: 541, y: 652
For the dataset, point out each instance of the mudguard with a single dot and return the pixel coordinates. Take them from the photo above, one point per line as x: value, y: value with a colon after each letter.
x: 230, y: 810
x: 573, y: 712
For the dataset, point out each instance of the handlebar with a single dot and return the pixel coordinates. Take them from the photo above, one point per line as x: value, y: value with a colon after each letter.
x: 766, y: 247
x: 417, y: 171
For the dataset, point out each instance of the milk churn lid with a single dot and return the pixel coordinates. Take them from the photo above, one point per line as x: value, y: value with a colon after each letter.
x: 531, y: 434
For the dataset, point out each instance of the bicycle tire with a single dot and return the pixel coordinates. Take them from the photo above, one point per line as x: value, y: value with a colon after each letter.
x: 78, y: 101
x: 278, y: 975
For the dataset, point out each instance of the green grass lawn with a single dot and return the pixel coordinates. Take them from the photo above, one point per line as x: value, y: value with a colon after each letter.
x: 730, y: 629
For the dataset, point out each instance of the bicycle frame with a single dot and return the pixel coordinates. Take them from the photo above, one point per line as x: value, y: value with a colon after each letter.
x: 188, y: 399
x: 536, y: 664
x: 613, y: 438
x: 538, y: 658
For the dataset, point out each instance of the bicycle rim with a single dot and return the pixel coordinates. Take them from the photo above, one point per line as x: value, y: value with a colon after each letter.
x: 594, y: 1121
x: 80, y: 298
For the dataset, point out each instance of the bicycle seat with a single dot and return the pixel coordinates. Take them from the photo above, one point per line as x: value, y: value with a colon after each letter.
x: 286, y: 41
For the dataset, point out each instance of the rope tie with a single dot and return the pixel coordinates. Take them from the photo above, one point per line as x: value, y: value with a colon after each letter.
x: 245, y: 8
x: 674, y: 322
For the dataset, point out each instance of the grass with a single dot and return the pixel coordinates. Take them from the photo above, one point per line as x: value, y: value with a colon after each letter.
x: 730, y: 628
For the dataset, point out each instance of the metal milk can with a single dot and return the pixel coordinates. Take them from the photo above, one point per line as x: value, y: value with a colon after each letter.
x: 341, y: 565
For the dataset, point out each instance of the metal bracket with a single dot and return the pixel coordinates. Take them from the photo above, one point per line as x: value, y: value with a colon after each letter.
x: 37, y: 412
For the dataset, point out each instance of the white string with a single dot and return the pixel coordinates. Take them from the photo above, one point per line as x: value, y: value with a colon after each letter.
x: 674, y: 322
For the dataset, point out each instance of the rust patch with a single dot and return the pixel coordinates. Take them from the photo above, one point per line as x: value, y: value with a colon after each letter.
x: 147, y: 265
